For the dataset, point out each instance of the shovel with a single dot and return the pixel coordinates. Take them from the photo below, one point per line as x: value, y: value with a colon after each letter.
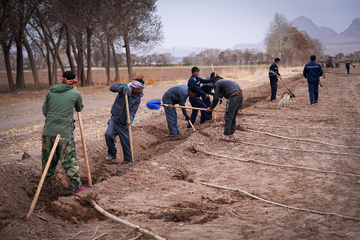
x: 46, y: 169
x: 128, y: 119
x: 155, y: 104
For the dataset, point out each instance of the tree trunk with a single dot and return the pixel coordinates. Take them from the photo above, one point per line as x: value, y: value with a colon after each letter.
x: 20, y: 80
x: 103, y: 51
x: 61, y: 63
x: 48, y: 64
x: 80, y: 59
x: 108, y: 62
x: 89, y: 81
x: 6, y: 51
x: 128, y: 57
x: 32, y: 63
x: 117, y: 75
x: 55, y: 56
x: 68, y: 52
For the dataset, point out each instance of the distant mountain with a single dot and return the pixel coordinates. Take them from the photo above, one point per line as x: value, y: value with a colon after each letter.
x: 305, y: 24
x: 346, y: 42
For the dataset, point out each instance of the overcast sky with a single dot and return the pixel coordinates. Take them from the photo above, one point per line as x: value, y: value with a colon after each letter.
x: 224, y: 23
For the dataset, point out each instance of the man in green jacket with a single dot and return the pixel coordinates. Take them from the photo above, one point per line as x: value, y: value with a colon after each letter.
x: 58, y: 108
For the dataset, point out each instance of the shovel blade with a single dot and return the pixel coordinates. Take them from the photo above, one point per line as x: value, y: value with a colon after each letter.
x: 154, y: 104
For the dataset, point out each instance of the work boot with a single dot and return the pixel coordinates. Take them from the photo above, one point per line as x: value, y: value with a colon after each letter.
x: 109, y: 157
x: 81, y: 190
x: 46, y: 189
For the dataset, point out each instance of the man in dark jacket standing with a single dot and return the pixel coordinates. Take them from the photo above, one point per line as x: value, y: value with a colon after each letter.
x: 118, y: 124
x: 274, y: 75
x: 177, y: 95
x: 312, y: 72
x: 347, y: 66
x: 195, y: 101
x: 233, y: 93
x: 58, y: 108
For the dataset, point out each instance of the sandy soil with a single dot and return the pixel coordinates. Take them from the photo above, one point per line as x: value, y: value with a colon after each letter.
x: 160, y: 191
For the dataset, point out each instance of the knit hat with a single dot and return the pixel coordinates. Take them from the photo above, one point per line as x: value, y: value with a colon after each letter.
x: 277, y: 59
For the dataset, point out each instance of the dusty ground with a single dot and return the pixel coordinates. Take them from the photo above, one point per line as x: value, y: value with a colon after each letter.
x: 151, y: 193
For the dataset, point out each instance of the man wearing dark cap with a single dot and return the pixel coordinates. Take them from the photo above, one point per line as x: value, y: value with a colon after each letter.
x: 312, y: 72
x: 58, y: 108
x: 118, y: 123
x: 274, y: 75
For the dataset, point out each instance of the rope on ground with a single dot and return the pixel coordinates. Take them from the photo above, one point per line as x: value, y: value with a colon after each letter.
x: 295, y: 149
x: 278, y: 165
x: 126, y: 223
x: 300, y: 139
x: 277, y: 126
x: 74, y: 236
x: 278, y: 204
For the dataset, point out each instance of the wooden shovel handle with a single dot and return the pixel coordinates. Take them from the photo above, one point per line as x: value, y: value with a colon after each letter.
x: 46, y: 169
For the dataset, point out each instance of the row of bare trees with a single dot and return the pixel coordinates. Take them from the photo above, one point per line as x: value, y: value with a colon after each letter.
x: 82, y: 29
x: 282, y: 40
x: 227, y: 57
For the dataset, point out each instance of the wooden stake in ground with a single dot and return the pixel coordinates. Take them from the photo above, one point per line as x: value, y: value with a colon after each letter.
x: 128, y: 119
x: 85, y: 151
x: 32, y: 207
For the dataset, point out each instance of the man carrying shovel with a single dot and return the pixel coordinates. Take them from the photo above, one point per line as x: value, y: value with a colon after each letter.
x: 233, y: 93
x: 274, y: 75
x: 118, y: 123
x: 177, y: 95
x: 58, y: 108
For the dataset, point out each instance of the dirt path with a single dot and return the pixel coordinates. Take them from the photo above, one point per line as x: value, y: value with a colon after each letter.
x: 152, y: 194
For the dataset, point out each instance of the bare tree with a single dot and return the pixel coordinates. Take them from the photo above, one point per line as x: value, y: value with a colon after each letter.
x: 277, y: 34
x: 6, y: 39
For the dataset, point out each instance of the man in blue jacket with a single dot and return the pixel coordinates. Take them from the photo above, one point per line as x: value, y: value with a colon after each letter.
x: 312, y: 72
x: 195, y: 101
x: 118, y: 124
x: 274, y: 75
x: 177, y: 95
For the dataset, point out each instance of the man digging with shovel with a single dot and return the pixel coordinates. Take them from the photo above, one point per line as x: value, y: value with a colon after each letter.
x: 118, y: 123
x: 233, y: 93
x: 177, y: 95
x: 58, y: 108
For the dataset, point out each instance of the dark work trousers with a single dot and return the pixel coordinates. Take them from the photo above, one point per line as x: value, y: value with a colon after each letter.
x: 233, y: 104
x: 207, y: 102
x: 348, y: 70
x: 313, y: 92
x: 198, y: 103
x: 114, y: 129
x: 273, y: 84
x: 171, y: 116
